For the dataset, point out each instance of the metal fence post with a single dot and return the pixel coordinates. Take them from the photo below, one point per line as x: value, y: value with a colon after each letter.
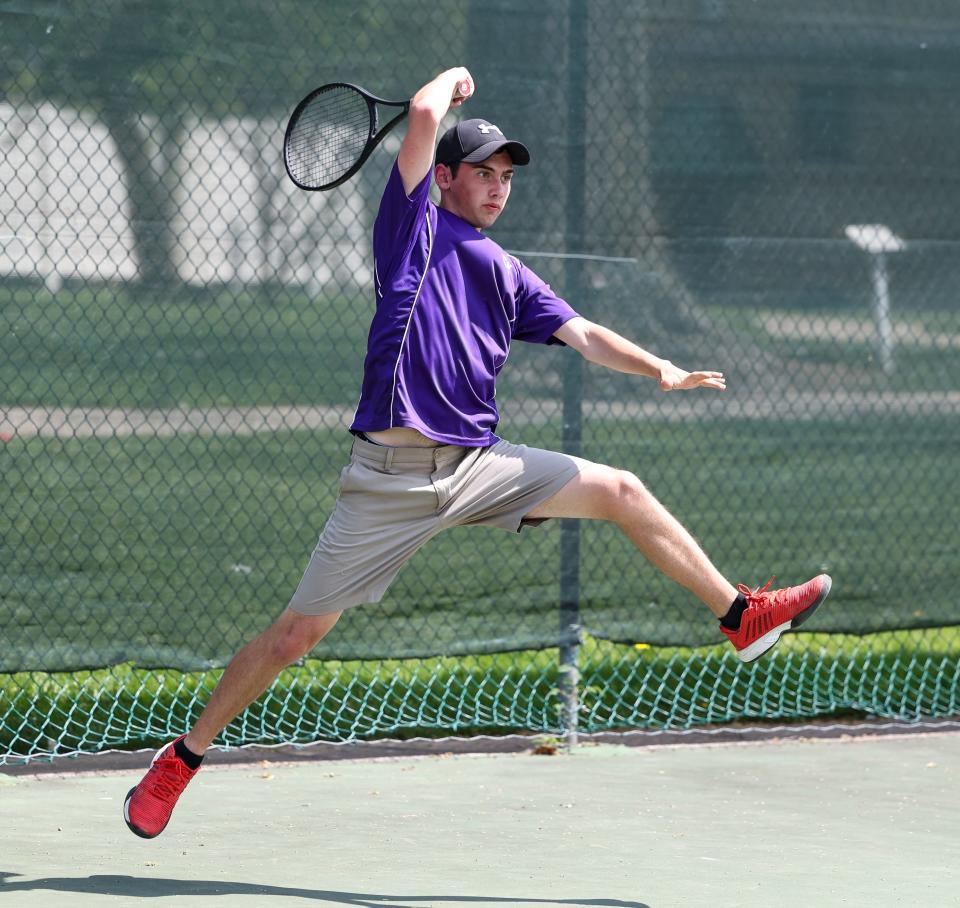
x: 570, y: 636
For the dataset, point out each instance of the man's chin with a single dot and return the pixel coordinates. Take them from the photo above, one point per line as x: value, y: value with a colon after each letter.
x: 487, y: 218
x: 482, y: 219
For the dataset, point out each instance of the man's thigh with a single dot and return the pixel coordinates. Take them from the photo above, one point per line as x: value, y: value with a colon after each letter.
x: 594, y: 493
x: 503, y: 484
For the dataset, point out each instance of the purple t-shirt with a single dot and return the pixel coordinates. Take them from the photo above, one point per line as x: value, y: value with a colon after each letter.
x: 449, y: 302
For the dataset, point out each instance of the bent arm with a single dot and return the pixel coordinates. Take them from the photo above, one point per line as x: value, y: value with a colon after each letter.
x: 427, y: 109
x: 604, y: 347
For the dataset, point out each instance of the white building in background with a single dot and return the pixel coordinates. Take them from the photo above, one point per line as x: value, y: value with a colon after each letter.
x: 65, y: 212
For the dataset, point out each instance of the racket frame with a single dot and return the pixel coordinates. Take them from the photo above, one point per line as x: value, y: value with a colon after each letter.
x: 375, y: 134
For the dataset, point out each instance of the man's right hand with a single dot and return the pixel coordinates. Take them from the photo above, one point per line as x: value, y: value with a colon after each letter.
x: 463, y: 90
x: 428, y: 107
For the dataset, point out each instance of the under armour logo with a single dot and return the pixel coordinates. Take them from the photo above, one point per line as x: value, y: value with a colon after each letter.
x: 487, y: 127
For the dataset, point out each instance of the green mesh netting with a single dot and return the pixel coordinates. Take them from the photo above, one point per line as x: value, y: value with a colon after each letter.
x: 905, y: 676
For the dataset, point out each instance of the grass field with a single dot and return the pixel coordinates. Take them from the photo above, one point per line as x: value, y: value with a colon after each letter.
x: 177, y: 550
x: 94, y: 347
x: 99, y: 346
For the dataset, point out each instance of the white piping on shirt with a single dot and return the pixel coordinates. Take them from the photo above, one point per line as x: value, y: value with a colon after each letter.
x: 406, y: 330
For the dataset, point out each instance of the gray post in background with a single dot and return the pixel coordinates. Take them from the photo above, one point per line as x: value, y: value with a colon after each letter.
x: 878, y: 240
x: 570, y: 632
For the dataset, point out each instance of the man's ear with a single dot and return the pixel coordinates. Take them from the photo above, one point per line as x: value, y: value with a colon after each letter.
x: 443, y: 176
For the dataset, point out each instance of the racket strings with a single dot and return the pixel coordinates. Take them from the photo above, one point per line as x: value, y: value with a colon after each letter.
x: 328, y: 137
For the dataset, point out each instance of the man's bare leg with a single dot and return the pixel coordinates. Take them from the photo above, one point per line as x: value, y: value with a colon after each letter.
x: 605, y: 493
x: 148, y: 805
x: 253, y: 669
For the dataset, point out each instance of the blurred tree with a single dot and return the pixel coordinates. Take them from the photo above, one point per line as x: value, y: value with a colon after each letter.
x: 148, y: 69
x: 142, y: 67
x: 93, y: 55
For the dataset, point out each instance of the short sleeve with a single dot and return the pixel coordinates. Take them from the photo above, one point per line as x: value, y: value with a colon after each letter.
x: 540, y: 312
x: 399, y: 218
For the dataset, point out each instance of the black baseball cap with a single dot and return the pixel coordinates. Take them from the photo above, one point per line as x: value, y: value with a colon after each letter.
x: 473, y: 141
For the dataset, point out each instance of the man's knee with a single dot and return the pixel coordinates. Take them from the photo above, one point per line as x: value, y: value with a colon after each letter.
x: 293, y: 635
x: 625, y: 487
x: 628, y: 494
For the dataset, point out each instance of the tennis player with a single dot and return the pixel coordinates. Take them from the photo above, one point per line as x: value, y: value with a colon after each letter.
x: 426, y: 456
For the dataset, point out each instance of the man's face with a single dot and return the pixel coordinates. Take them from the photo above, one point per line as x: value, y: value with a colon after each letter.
x: 479, y: 192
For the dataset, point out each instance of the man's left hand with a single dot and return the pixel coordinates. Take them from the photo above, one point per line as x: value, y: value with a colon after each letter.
x: 675, y: 379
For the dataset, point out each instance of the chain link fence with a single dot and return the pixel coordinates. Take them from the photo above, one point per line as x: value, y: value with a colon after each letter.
x: 762, y: 189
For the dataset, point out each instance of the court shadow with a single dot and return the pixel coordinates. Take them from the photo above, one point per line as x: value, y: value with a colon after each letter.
x: 154, y: 887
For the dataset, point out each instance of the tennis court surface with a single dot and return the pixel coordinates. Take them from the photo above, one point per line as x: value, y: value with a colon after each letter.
x: 867, y: 821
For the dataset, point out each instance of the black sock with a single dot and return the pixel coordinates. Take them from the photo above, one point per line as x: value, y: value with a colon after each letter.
x: 192, y: 760
x: 731, y: 620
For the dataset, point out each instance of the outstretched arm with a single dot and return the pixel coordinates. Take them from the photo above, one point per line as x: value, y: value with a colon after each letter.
x: 427, y: 109
x: 607, y: 348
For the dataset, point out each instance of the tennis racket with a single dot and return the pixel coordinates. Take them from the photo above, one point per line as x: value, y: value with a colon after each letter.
x: 333, y: 130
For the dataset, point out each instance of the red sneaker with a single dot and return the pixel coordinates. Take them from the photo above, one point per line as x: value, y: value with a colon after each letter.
x: 770, y: 613
x: 148, y: 805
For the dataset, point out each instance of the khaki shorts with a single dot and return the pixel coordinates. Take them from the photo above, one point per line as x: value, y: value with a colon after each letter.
x: 392, y: 500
